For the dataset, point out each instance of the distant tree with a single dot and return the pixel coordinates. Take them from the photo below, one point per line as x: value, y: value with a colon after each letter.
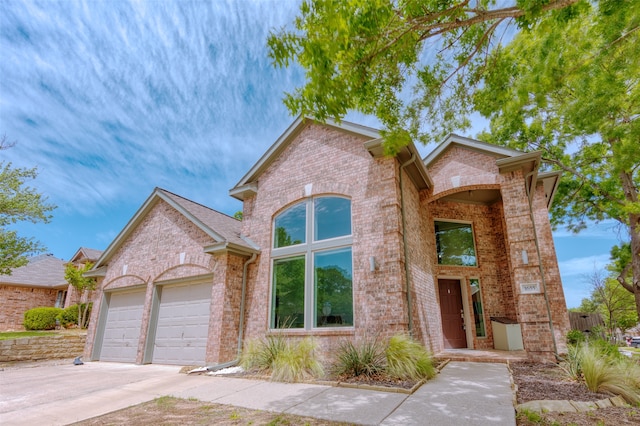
x: 18, y: 203
x: 616, y: 305
x: 238, y: 215
x: 82, y: 285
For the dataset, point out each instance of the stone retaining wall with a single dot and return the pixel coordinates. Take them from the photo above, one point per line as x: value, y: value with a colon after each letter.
x: 43, y: 347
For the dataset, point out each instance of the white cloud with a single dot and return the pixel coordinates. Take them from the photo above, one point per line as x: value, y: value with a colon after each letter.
x: 581, y: 266
x: 112, y: 98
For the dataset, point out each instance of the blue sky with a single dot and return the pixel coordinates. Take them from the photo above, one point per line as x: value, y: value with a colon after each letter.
x: 110, y: 99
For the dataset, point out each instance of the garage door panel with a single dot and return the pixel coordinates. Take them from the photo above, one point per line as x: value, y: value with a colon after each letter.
x: 183, y: 324
x: 122, y: 328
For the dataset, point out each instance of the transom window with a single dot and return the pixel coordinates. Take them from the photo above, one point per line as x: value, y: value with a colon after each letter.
x: 312, y: 265
x: 454, y: 244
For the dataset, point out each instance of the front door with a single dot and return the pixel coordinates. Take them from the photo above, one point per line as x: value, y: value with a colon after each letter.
x: 452, y: 314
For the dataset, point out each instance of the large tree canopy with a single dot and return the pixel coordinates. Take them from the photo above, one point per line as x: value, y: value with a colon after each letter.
x: 18, y: 202
x: 408, y: 62
x: 571, y: 89
x: 557, y: 76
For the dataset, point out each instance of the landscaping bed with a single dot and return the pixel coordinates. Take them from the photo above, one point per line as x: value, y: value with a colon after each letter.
x: 548, y: 382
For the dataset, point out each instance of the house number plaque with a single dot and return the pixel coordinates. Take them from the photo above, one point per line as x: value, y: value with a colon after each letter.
x: 530, y: 288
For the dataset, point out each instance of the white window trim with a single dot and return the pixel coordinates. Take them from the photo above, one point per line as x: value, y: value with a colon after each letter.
x: 473, y: 235
x: 308, y: 249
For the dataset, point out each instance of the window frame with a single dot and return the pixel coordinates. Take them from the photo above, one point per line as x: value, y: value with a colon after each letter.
x: 308, y: 249
x: 472, y: 310
x: 473, y: 237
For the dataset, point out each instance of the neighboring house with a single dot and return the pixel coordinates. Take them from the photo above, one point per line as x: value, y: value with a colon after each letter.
x: 39, y: 283
x: 339, y: 242
x: 79, y: 259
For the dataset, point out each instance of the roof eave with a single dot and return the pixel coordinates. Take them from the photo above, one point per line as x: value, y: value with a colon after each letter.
x: 227, y: 247
x: 96, y: 273
x: 245, y: 191
x: 453, y: 139
x: 550, y: 181
x: 416, y: 170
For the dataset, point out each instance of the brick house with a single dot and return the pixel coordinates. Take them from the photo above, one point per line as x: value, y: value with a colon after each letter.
x: 80, y: 258
x: 340, y: 242
x: 39, y: 283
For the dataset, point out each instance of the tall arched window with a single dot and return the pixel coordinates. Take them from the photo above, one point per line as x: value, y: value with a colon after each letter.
x: 312, y: 265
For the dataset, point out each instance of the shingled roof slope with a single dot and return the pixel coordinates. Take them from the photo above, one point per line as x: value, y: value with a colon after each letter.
x: 42, y: 271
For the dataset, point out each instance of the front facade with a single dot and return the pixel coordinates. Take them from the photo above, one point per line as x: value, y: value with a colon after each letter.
x: 39, y: 283
x: 339, y: 241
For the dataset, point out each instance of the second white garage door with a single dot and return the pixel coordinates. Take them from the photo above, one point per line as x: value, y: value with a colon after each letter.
x: 183, y: 325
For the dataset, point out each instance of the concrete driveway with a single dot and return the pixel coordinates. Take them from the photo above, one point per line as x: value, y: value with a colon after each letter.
x: 471, y: 394
x: 63, y: 394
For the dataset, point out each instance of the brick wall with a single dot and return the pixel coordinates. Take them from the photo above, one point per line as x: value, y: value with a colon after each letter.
x: 502, y: 231
x: 334, y: 162
x: 150, y: 254
x: 15, y: 301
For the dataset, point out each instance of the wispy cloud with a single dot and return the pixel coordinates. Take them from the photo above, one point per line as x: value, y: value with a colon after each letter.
x: 581, y: 266
x: 109, y: 99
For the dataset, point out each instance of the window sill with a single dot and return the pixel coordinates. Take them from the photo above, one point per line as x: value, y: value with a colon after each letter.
x: 342, y: 331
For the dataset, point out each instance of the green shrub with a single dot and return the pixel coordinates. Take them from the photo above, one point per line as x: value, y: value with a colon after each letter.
x: 297, y: 362
x: 41, y: 318
x: 571, y: 362
x: 366, y: 358
x: 575, y: 336
x: 287, y: 361
x: 604, y: 370
x: 260, y: 354
x: 69, y: 316
x: 408, y: 359
x: 607, y: 374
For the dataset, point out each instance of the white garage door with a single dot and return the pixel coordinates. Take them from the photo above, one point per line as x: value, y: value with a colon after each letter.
x: 183, y: 325
x: 122, y: 328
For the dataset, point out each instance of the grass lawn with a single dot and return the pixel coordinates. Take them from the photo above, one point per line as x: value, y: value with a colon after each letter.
x: 7, y: 335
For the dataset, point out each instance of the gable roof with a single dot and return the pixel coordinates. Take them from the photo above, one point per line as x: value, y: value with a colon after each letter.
x: 86, y: 254
x: 475, y: 145
x: 507, y: 159
x: 248, y: 185
x: 43, y: 271
x: 223, y: 229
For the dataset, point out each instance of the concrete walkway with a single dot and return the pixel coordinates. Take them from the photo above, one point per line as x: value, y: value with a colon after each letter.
x: 462, y: 394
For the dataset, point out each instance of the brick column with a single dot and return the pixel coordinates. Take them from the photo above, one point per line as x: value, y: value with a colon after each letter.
x: 528, y: 283
x: 225, y: 309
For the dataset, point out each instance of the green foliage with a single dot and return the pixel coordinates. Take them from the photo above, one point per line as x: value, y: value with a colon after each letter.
x: 238, y: 215
x: 286, y: 360
x: 10, y: 335
x: 260, y: 354
x: 69, y: 315
x: 604, y: 369
x: 82, y: 285
x: 571, y: 362
x: 603, y: 373
x: 297, y: 362
x: 408, y: 359
x: 408, y: 63
x: 575, y: 336
x: 531, y: 416
x: 18, y: 203
x: 41, y: 318
x: 366, y: 358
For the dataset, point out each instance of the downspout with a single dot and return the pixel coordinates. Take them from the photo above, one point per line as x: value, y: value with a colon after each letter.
x: 235, y: 361
x: 406, y: 246
x: 544, y: 282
